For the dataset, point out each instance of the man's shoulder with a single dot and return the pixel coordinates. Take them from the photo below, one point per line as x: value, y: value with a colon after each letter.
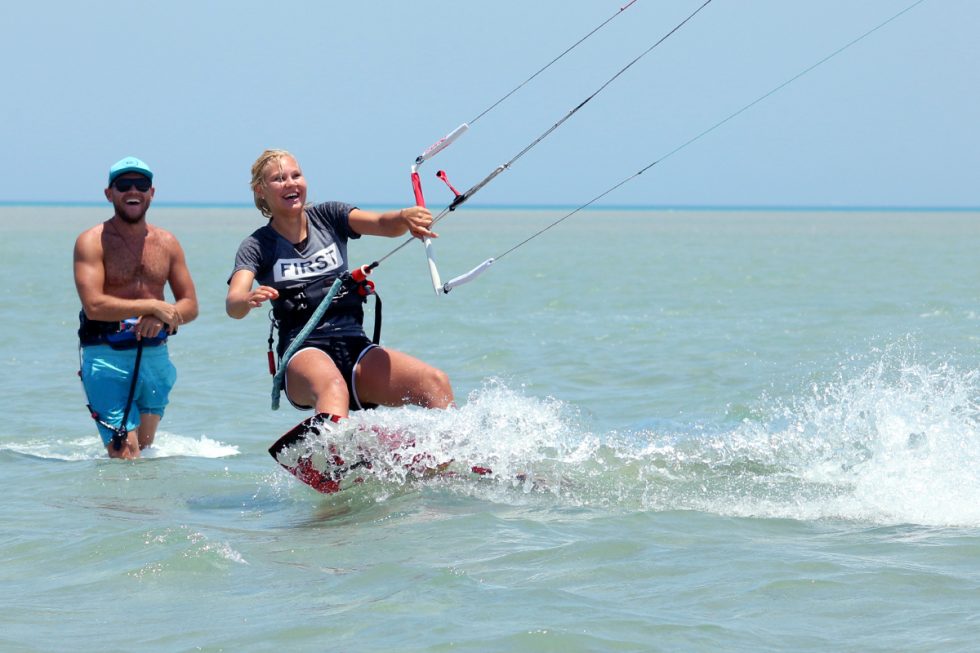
x: 91, y: 237
x: 94, y: 230
x: 161, y: 235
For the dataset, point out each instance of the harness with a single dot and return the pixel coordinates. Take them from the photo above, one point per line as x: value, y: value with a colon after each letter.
x: 296, y: 306
x: 118, y: 335
x: 346, y: 282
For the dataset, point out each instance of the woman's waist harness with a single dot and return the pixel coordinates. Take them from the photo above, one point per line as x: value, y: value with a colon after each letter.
x: 295, y: 306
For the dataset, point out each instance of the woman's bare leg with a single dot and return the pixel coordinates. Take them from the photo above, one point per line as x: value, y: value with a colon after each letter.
x: 314, y: 380
x: 392, y: 378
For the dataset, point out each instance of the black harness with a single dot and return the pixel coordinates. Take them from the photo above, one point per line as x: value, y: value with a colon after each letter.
x: 97, y: 332
x: 295, y: 306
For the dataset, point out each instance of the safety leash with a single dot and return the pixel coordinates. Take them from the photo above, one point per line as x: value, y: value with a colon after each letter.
x: 119, y: 432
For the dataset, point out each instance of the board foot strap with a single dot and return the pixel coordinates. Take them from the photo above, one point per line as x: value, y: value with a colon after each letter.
x: 295, y: 455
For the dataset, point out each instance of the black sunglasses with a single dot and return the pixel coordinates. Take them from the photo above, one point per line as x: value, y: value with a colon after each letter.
x: 123, y: 185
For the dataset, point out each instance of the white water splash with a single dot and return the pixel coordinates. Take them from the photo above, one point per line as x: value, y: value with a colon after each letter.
x: 165, y: 445
x: 902, y: 437
x: 895, y: 442
x: 889, y: 441
x: 170, y: 444
x: 497, y: 428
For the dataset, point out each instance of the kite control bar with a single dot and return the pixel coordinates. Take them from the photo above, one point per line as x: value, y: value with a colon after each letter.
x: 432, y: 150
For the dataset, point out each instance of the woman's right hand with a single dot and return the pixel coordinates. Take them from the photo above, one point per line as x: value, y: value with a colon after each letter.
x: 242, y: 298
x: 260, y: 295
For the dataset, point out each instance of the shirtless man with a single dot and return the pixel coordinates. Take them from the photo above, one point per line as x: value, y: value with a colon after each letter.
x: 121, y: 268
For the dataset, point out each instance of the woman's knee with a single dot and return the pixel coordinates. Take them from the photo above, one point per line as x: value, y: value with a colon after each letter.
x: 327, y: 386
x: 438, y: 390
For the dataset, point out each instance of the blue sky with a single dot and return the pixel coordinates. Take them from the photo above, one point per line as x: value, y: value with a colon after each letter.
x: 357, y: 89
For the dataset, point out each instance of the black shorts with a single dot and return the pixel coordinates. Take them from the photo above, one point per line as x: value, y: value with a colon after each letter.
x: 346, y: 352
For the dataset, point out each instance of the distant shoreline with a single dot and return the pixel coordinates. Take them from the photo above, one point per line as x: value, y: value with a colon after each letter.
x: 565, y: 207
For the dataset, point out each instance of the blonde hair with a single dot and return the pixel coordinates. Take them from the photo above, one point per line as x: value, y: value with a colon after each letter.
x: 258, y: 172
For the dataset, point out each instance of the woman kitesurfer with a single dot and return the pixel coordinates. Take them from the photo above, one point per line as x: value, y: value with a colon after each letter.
x: 294, y: 260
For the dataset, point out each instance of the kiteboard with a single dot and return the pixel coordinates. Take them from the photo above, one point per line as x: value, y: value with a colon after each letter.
x: 330, y: 457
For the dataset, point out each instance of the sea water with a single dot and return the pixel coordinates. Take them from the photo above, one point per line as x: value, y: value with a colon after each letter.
x: 709, y: 430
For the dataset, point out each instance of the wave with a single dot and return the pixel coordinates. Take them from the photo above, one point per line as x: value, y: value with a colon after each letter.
x: 887, y: 440
x: 165, y: 445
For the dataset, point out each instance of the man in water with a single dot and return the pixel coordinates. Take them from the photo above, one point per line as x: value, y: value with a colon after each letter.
x: 121, y: 268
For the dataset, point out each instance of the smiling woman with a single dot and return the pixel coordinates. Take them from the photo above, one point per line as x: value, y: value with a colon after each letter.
x: 295, y: 259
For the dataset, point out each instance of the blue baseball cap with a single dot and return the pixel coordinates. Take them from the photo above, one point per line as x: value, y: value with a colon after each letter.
x: 129, y: 164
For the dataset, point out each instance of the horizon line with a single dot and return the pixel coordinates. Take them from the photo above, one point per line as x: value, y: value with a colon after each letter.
x: 559, y: 207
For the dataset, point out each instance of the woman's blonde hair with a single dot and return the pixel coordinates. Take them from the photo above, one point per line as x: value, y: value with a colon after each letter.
x: 258, y: 172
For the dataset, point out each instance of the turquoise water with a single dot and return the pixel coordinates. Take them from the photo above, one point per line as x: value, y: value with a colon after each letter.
x: 724, y: 430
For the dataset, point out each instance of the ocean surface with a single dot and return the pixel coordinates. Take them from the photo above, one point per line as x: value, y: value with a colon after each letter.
x: 709, y: 431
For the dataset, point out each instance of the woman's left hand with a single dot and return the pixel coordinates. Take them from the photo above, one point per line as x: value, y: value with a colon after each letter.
x: 418, y: 220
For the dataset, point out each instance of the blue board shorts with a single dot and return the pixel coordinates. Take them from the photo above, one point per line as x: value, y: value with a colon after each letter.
x: 107, y: 374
